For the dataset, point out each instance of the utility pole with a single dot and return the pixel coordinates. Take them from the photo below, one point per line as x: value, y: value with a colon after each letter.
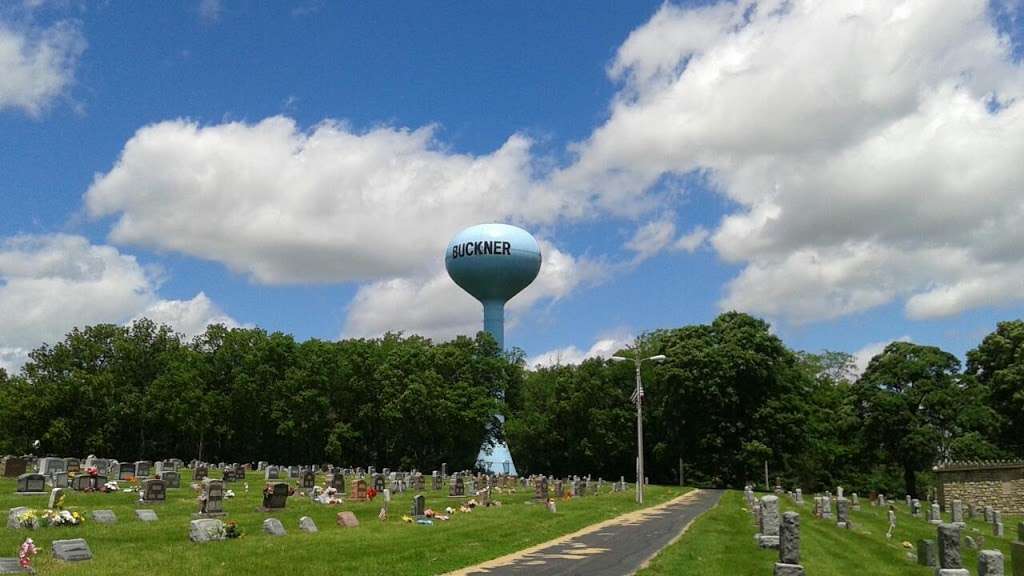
x: 767, y: 486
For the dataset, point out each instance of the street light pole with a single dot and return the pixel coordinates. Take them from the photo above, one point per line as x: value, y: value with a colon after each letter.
x: 638, y: 397
x: 639, y: 433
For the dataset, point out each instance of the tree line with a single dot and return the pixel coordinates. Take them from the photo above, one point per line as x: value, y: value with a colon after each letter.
x: 729, y: 397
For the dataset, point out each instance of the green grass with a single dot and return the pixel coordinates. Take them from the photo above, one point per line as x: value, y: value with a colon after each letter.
x: 721, y: 543
x: 375, y: 547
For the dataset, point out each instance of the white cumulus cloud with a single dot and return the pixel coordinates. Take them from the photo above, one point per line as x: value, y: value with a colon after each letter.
x: 37, y: 65
x: 872, y: 149
x: 50, y: 284
x: 328, y: 205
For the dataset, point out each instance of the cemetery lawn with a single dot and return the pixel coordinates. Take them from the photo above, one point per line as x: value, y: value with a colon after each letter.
x: 721, y: 543
x: 393, y: 547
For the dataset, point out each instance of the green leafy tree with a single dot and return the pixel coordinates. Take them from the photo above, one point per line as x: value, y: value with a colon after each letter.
x: 998, y: 364
x: 914, y: 405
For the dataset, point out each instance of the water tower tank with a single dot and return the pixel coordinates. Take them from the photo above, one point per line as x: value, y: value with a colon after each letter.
x: 493, y: 262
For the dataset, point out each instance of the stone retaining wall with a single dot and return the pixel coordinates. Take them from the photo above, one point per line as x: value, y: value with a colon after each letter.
x: 996, y: 484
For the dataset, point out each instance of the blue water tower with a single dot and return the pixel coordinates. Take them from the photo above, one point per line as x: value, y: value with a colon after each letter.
x: 494, y: 262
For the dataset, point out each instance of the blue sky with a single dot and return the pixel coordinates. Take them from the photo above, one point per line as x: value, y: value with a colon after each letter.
x: 849, y: 173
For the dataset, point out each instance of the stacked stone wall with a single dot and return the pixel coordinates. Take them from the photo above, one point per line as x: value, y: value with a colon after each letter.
x: 998, y: 486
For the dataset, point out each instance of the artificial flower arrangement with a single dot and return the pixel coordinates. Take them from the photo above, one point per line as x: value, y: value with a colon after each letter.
x: 26, y: 552
x: 327, y: 495
x: 371, y: 493
x: 229, y: 493
x: 231, y: 530
x: 33, y: 519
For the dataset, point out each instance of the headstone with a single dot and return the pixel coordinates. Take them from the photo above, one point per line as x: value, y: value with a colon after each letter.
x: 72, y: 465
x: 55, y: 495
x: 74, y: 550
x: 143, y: 468
x: 436, y: 481
x: 12, y: 517
x: 842, y: 512
x: 211, y: 499
x: 153, y: 490
x: 935, y: 516
x: 13, y: 566
x: 124, y: 471
x: 308, y: 480
x: 146, y: 515
x: 789, y: 547
x: 50, y: 466
x: 1017, y: 558
x: 418, y: 505
x: 31, y: 483
x: 854, y: 501
x: 457, y: 488
x: 307, y: 525
x: 206, y: 530
x: 276, y: 496
x: 358, y: 491
x: 769, y: 536
x: 336, y: 480
x: 990, y: 563
x: 171, y: 478
x: 378, y: 482
x: 229, y: 475
x: 347, y: 520
x: 104, y: 517
x: 274, y: 527
x: 957, y: 510
x: 200, y: 473
x: 915, y: 507
x: 927, y: 553
x: 988, y: 514
x: 949, y: 547
x: 12, y: 467
x: 540, y: 491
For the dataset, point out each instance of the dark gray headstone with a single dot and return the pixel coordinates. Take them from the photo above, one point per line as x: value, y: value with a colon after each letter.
x: 74, y: 550
x: 104, y: 517
x: 212, y: 497
x: 277, y: 499
x: 307, y: 525
x: 949, y: 546
x: 990, y: 563
x: 31, y: 483
x: 146, y: 515
x: 789, y: 538
x: 153, y: 490
x: 274, y: 527
x: 927, y: 553
x: 171, y: 478
x: 418, y: 505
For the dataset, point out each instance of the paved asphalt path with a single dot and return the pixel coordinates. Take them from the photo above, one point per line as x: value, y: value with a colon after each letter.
x: 615, y: 549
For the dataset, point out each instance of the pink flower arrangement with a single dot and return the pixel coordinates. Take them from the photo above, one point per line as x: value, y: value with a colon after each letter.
x: 26, y: 552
